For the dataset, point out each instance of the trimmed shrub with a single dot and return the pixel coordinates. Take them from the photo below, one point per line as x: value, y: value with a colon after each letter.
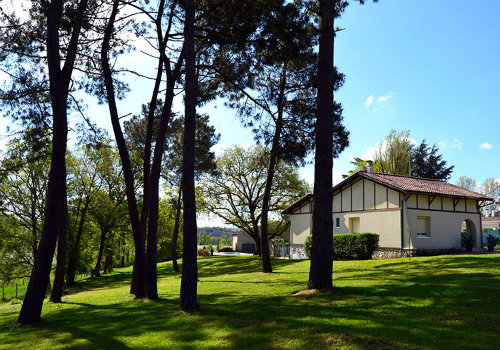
x: 350, y: 246
x: 354, y: 246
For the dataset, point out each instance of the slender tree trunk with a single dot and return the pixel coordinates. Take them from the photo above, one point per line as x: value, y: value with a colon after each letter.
x: 147, y: 147
x: 97, y: 268
x: 74, y: 255
x: 152, y: 247
x: 189, y: 279
x: 264, y: 238
x: 59, y: 84
x: 58, y: 286
x: 108, y: 264
x: 138, y: 280
x: 34, y: 226
x: 320, y: 273
x: 175, y: 234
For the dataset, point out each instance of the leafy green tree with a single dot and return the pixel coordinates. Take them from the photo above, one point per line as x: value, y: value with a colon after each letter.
x: 276, y: 95
x: 394, y: 154
x: 426, y: 163
x: 235, y: 192
x: 468, y: 183
x: 23, y: 185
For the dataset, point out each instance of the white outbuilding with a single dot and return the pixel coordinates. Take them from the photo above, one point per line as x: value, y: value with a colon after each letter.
x: 411, y: 215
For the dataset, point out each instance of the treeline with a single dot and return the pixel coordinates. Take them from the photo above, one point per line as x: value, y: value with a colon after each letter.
x: 272, y: 61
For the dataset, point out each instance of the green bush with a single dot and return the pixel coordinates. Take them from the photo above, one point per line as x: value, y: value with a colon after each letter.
x: 354, y: 246
x: 350, y: 246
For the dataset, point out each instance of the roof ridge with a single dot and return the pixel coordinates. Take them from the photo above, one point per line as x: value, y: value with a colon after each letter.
x: 412, y: 177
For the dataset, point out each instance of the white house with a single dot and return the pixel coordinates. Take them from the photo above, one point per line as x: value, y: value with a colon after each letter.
x: 423, y: 216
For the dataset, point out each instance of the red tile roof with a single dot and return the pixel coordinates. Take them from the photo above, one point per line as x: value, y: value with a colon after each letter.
x: 492, y: 218
x: 409, y: 184
x: 405, y: 184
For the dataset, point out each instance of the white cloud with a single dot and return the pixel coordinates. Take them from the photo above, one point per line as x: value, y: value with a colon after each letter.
x: 379, y: 103
x: 336, y: 176
x: 369, y: 101
x: 486, y: 145
x: 452, y: 144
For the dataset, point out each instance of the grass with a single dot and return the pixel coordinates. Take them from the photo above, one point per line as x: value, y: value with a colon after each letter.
x: 450, y: 302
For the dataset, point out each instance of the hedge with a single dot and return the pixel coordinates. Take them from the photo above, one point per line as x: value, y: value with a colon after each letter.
x: 350, y: 246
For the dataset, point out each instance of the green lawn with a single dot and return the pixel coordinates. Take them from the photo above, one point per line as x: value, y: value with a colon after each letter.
x: 450, y: 302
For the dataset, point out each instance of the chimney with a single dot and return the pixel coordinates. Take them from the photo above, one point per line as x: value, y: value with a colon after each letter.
x: 369, y: 167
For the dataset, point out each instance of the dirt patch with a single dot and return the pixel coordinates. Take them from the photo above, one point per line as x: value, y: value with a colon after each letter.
x: 306, y: 292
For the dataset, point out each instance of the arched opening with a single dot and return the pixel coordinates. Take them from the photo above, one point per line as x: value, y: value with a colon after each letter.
x: 469, y: 238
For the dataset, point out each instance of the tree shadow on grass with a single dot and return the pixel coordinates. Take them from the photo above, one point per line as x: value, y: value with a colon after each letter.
x: 426, y: 305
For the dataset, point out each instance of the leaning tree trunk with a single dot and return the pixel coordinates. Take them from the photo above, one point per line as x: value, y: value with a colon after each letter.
x: 138, y: 278
x: 58, y: 287
x: 175, y: 234
x: 74, y: 255
x: 108, y: 264
x: 152, y: 246
x: 320, y: 273
x: 59, y: 80
x: 97, y: 268
x: 264, y: 237
x: 189, y: 279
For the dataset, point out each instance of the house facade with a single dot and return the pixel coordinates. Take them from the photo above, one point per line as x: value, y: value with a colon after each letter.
x: 409, y: 214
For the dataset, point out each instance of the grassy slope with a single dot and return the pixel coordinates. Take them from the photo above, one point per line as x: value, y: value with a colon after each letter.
x: 431, y: 303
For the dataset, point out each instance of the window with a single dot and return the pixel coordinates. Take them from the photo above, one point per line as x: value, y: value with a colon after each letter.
x: 337, y: 222
x: 423, y: 226
x: 354, y: 225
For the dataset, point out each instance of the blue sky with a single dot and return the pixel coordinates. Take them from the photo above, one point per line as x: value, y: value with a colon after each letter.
x: 432, y: 67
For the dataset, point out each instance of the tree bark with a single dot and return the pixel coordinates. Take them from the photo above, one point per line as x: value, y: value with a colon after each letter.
x: 74, y: 255
x: 108, y: 264
x: 320, y: 273
x: 264, y: 238
x: 97, y: 268
x: 189, y: 279
x: 175, y: 234
x: 59, y: 80
x: 152, y: 247
x: 58, y: 286
x: 138, y: 276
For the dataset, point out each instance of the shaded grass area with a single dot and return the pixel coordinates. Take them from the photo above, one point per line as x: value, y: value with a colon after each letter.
x: 450, y: 302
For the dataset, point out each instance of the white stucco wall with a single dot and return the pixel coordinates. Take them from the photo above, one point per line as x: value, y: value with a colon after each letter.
x: 445, y: 229
x: 386, y: 223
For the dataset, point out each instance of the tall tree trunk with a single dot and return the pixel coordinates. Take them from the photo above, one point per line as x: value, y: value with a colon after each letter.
x: 189, y: 279
x: 74, y: 255
x: 59, y: 80
x: 147, y: 146
x: 152, y: 247
x: 58, y: 287
x: 108, y: 264
x: 264, y: 238
x: 175, y: 234
x: 320, y: 273
x: 97, y: 268
x: 138, y: 278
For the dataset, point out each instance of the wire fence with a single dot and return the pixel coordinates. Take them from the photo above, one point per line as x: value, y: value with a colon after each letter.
x: 16, y: 289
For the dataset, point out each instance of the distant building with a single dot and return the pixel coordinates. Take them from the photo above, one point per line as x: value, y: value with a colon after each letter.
x: 420, y: 215
x: 491, y: 219
x: 243, y: 243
